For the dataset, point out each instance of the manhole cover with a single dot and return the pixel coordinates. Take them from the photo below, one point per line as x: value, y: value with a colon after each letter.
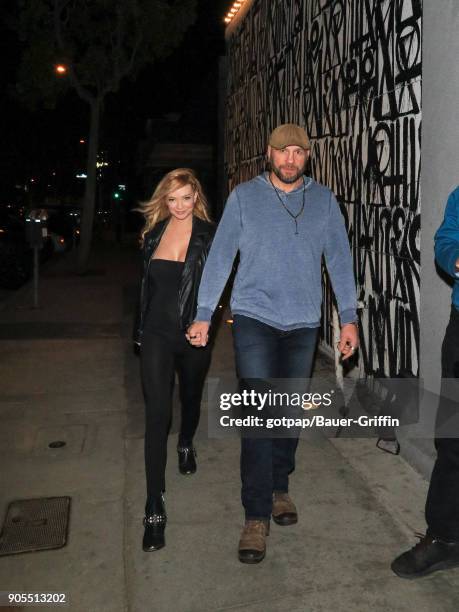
x: 35, y: 524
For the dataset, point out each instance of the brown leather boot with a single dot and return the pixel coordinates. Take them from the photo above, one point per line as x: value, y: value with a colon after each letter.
x: 284, y: 511
x: 252, y: 545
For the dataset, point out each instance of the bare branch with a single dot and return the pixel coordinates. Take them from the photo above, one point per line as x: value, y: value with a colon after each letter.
x: 119, y: 43
x: 135, y: 50
x: 85, y: 94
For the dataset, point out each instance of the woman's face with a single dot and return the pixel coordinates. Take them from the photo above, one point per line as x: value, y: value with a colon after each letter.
x: 181, y: 202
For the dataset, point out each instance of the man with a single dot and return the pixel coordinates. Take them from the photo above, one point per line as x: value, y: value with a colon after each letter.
x: 439, y: 548
x: 281, y: 222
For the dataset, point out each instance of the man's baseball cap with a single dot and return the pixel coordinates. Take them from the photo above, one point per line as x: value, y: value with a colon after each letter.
x: 287, y: 135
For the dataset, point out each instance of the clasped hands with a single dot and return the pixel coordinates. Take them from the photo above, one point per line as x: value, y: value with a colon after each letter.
x: 198, y: 333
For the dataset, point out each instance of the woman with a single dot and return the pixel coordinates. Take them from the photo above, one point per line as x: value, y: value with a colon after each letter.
x: 175, y: 239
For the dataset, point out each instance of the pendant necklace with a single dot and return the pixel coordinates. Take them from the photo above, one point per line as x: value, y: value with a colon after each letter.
x: 294, y: 217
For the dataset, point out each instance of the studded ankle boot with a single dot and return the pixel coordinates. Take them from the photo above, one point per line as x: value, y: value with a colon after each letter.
x: 155, y: 524
x: 186, y: 459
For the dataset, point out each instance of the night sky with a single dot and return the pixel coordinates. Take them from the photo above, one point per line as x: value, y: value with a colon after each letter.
x: 34, y: 144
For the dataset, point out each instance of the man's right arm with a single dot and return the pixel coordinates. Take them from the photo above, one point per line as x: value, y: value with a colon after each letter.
x: 220, y: 259
x: 447, y: 237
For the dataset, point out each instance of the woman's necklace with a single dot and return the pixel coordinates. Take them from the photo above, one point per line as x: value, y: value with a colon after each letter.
x: 294, y: 217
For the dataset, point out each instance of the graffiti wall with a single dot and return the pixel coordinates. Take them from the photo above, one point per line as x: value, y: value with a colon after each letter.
x: 350, y: 72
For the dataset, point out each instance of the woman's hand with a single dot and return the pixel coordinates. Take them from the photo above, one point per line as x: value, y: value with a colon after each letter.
x: 198, y: 333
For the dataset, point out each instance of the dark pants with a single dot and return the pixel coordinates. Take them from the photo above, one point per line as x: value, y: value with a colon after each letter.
x: 442, y: 506
x: 160, y: 358
x: 264, y: 352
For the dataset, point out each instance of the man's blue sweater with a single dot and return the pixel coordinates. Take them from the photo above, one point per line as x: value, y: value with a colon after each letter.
x: 447, y: 242
x: 279, y: 278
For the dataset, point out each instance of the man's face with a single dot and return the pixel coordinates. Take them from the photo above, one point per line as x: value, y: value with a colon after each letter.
x: 288, y: 164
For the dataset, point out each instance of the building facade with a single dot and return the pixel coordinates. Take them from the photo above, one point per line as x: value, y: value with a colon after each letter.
x: 349, y: 71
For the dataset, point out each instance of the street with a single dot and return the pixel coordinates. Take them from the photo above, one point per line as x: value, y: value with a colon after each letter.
x: 68, y: 372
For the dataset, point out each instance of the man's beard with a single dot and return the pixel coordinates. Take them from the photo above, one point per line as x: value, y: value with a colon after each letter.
x: 288, y: 180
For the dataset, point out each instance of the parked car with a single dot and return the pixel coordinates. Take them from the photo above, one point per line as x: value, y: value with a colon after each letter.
x: 62, y: 229
x: 58, y: 242
x: 15, y: 253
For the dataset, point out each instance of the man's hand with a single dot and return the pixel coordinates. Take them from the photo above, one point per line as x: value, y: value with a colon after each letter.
x: 198, y: 333
x: 349, y: 340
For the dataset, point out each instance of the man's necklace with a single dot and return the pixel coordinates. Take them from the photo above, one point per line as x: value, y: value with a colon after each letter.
x: 294, y: 217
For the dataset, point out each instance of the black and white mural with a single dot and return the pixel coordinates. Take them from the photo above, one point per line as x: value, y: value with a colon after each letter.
x: 350, y: 72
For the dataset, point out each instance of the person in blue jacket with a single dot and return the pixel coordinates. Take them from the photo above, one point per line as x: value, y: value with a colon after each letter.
x: 439, y: 548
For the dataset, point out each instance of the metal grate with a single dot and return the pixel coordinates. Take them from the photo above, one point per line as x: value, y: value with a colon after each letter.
x: 35, y: 524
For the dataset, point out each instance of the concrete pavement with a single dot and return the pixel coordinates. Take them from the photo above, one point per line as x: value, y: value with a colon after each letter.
x: 67, y: 371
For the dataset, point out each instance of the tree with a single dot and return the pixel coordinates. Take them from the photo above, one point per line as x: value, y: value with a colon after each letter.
x: 99, y: 43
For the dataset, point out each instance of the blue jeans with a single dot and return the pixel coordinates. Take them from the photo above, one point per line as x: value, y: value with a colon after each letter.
x: 264, y: 352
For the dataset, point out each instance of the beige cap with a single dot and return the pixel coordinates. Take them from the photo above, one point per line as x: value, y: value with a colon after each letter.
x: 287, y: 135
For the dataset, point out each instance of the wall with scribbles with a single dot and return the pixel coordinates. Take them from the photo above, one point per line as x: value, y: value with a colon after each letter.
x: 350, y: 72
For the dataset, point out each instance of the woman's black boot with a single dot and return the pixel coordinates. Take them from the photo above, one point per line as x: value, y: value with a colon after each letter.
x: 186, y: 459
x: 155, y: 524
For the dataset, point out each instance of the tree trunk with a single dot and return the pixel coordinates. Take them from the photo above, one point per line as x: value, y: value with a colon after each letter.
x: 89, y: 202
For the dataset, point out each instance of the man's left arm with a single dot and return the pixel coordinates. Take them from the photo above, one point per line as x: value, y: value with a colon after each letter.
x: 339, y: 265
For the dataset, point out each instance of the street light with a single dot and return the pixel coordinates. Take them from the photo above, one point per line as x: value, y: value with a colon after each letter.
x: 60, y: 69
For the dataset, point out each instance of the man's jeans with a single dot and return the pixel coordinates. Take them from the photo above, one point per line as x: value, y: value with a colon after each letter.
x: 442, y: 506
x: 264, y: 352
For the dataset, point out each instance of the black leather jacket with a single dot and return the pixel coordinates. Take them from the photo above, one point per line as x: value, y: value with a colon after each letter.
x: 201, y: 238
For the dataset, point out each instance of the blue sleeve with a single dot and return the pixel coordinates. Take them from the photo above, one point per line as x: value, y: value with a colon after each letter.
x: 219, y: 263
x: 339, y: 264
x: 447, y: 236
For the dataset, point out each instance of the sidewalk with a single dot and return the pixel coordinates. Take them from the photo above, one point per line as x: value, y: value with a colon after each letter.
x: 67, y: 372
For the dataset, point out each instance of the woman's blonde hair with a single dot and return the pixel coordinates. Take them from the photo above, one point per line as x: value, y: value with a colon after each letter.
x: 156, y: 208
